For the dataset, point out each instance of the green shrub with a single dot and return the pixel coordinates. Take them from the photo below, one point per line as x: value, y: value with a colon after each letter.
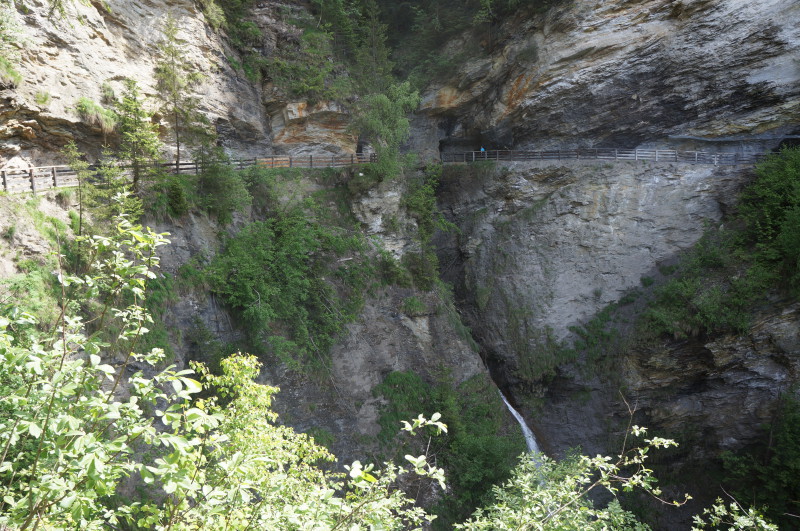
x: 109, y: 96
x: 392, y: 272
x: 714, y: 290
x: 273, y: 273
x: 95, y: 115
x: 414, y: 307
x: 223, y: 191
x: 11, y: 230
x: 215, y: 15
x: 9, y: 77
x: 262, y: 186
x: 42, y: 98
x: 771, y: 209
x: 769, y: 474
x: 476, y: 453
x: 177, y: 202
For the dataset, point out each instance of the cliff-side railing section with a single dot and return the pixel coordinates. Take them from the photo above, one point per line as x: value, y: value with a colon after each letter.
x: 34, y: 179
x: 609, y: 154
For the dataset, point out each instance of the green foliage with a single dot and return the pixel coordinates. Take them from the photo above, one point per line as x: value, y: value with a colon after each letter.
x: 733, y: 517
x: 69, y: 438
x: 306, y: 70
x: 215, y: 15
x: 262, y: 184
x: 476, y: 452
x: 543, y: 494
x: 59, y: 457
x: 176, y: 80
x: 102, y: 192
x: 95, y: 115
x: 419, y: 31
x: 109, y: 96
x: 771, y: 209
x: 381, y: 118
x: 223, y: 191
x: 713, y: 290
x: 359, y: 41
x: 768, y: 475
x: 139, y: 143
x: 420, y: 201
x: 33, y: 289
x: 9, y: 232
x: 392, y: 272
x: 273, y: 272
x: 42, y: 98
x: 414, y: 307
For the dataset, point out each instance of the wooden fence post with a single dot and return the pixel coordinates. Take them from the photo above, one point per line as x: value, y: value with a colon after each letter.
x: 55, y: 176
x: 656, y: 155
x: 290, y: 161
x: 311, y: 161
x: 5, y: 182
x: 32, y: 175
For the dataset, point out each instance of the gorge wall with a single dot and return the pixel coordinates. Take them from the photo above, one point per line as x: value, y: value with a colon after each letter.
x: 69, y: 59
x: 544, y: 249
x: 591, y: 74
x: 541, y: 248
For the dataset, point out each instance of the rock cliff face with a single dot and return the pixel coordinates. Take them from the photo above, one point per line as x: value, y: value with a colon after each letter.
x: 67, y: 60
x: 545, y: 248
x: 338, y: 402
x: 542, y: 247
x: 597, y: 73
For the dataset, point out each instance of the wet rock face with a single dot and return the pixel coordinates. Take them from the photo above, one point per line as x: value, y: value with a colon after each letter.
x: 561, y: 242
x: 626, y: 73
x: 721, y: 390
x: 545, y: 248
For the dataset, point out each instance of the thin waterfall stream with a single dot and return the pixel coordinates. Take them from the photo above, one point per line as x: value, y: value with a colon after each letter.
x: 530, y: 440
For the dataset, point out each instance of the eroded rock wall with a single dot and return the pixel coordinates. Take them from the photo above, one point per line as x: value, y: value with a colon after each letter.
x: 67, y: 59
x: 544, y: 248
x: 600, y: 73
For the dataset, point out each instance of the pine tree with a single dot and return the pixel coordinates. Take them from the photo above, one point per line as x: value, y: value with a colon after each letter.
x: 176, y: 82
x: 139, y: 143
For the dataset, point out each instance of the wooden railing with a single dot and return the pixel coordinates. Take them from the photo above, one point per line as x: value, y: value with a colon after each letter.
x: 46, y: 177
x: 609, y: 154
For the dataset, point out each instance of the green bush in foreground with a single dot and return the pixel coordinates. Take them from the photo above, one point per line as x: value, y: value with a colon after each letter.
x: 69, y: 436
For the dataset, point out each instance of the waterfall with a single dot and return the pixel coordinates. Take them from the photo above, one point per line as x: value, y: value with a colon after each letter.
x: 530, y: 440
